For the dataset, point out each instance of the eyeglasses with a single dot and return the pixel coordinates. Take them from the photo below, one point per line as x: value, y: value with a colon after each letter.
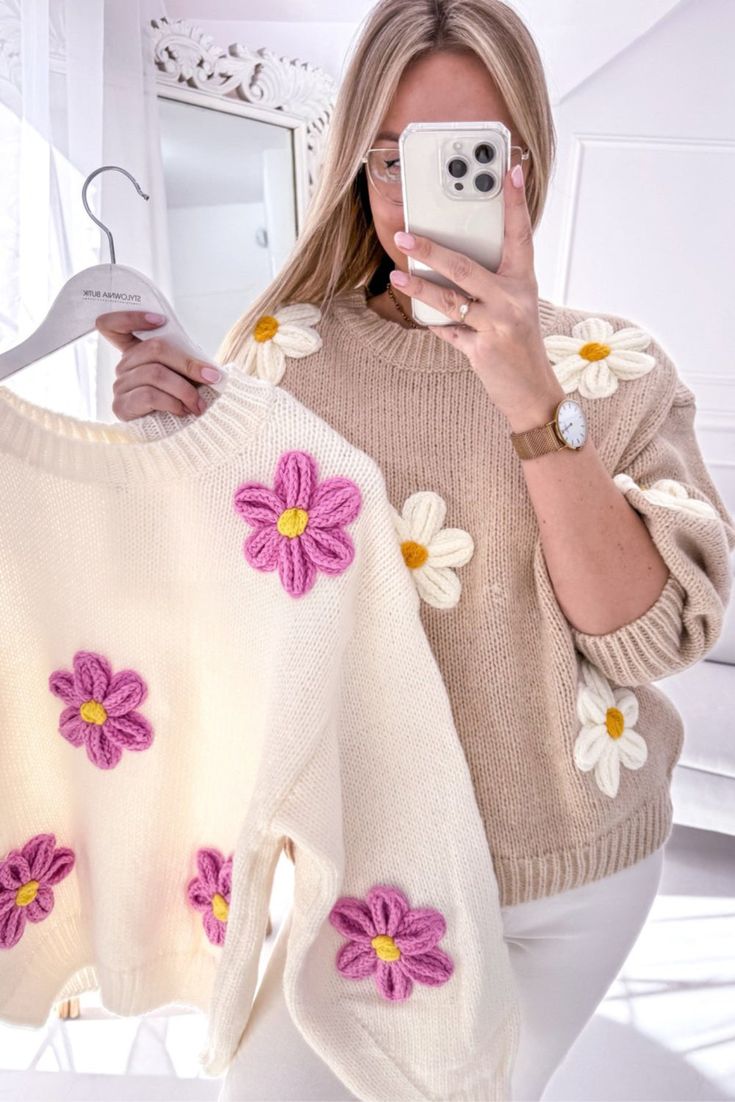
x: 384, y: 169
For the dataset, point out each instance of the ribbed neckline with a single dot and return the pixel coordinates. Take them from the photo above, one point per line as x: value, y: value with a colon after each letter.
x: 90, y: 451
x: 412, y: 348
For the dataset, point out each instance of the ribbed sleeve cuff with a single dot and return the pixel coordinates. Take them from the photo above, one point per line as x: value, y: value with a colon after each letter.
x: 647, y: 648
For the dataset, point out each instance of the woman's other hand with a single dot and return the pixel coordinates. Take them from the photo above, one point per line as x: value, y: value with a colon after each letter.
x: 152, y: 374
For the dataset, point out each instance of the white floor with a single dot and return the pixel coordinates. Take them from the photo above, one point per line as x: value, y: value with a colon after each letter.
x: 665, y: 1031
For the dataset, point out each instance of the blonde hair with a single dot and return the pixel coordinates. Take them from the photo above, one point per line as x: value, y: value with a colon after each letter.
x: 338, y: 248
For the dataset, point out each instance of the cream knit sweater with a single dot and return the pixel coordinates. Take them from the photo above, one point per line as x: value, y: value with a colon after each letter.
x: 570, y: 746
x: 211, y: 644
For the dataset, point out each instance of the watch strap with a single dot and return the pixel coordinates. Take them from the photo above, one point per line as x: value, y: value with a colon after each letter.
x: 536, y: 442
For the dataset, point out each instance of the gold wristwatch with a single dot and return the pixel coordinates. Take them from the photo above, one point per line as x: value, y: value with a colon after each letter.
x: 568, y: 429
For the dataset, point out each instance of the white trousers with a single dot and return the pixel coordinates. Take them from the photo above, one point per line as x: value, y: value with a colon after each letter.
x: 566, y: 951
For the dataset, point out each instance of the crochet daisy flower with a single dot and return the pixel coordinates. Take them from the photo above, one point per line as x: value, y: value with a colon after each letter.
x: 607, y: 737
x: 595, y: 357
x: 299, y: 523
x: 431, y: 551
x: 391, y: 941
x: 27, y: 877
x: 286, y: 332
x: 669, y: 493
x: 100, y: 709
x: 209, y: 892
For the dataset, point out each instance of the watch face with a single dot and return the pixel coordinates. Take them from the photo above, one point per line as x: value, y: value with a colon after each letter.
x: 572, y: 423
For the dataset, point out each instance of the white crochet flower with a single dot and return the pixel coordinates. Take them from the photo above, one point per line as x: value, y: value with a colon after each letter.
x: 669, y: 493
x: 287, y: 332
x: 431, y: 551
x: 595, y: 357
x: 607, y: 738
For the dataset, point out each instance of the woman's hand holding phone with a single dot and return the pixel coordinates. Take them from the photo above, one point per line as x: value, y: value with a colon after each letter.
x: 502, y: 334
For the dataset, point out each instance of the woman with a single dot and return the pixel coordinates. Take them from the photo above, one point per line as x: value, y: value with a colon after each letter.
x: 550, y: 602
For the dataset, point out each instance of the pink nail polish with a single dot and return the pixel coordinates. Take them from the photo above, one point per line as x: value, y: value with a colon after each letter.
x: 398, y: 277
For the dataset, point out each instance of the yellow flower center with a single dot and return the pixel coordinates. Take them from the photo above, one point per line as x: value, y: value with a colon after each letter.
x: 220, y: 907
x: 593, y: 350
x: 266, y: 328
x: 93, y: 712
x: 385, y: 947
x: 414, y: 554
x: 614, y: 722
x: 27, y: 893
x: 292, y: 522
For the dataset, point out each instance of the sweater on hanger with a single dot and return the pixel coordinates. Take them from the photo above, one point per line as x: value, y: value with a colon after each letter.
x: 571, y: 746
x: 211, y: 644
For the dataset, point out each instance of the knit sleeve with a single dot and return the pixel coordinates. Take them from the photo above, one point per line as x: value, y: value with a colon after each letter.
x: 253, y: 868
x: 303, y: 670
x: 397, y: 972
x: 666, y: 481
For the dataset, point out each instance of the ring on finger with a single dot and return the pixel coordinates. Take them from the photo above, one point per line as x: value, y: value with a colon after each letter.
x: 464, y: 307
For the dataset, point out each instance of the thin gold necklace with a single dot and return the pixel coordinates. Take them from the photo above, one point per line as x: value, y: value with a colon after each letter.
x: 412, y: 324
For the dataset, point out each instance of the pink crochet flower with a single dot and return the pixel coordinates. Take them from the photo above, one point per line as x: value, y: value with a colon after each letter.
x: 210, y: 892
x: 100, y: 708
x: 298, y: 523
x: 391, y: 940
x: 26, y: 879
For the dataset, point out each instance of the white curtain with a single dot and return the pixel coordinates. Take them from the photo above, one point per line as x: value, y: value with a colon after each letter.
x: 77, y: 91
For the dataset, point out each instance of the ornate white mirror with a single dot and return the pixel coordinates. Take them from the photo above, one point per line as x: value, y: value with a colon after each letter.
x: 241, y: 138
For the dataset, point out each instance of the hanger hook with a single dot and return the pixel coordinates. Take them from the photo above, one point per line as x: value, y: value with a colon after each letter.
x: 101, y: 225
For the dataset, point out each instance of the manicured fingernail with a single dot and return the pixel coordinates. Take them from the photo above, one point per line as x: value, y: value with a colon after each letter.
x: 517, y: 175
x: 157, y: 319
x: 405, y: 240
x: 211, y: 374
x: 399, y: 277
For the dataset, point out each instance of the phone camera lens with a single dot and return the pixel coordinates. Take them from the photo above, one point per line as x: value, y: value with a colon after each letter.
x: 485, y: 153
x: 457, y: 167
x: 484, y: 181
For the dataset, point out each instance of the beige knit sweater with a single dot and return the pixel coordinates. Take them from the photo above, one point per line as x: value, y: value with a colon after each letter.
x: 570, y: 746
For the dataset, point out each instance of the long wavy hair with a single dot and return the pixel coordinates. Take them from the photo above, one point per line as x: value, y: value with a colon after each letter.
x: 338, y: 248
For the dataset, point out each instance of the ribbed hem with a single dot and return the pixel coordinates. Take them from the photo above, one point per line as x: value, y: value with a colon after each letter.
x: 89, y: 451
x: 524, y: 878
x: 411, y: 348
x: 60, y: 966
x: 644, y: 650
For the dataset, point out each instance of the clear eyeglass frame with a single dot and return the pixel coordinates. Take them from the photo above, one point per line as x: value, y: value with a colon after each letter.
x: 517, y: 155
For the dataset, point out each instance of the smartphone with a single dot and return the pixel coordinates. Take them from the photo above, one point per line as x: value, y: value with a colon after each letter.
x: 452, y: 176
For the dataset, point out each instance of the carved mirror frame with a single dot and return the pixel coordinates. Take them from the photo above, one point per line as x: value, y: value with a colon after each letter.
x: 256, y: 84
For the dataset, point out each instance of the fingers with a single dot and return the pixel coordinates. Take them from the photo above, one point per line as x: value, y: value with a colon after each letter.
x: 158, y: 349
x: 433, y: 294
x: 517, y: 259
x: 155, y: 374
x: 459, y: 268
x: 118, y: 326
x: 140, y: 388
x: 146, y: 399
